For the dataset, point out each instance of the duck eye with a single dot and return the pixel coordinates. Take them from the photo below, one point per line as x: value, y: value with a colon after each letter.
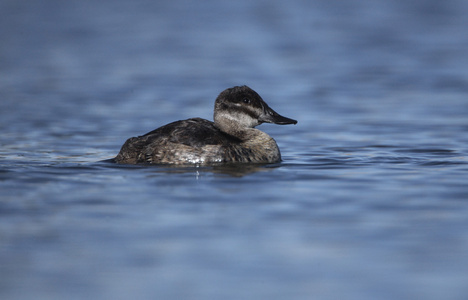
x: 246, y: 100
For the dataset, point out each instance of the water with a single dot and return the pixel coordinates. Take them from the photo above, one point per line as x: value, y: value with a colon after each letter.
x: 370, y: 201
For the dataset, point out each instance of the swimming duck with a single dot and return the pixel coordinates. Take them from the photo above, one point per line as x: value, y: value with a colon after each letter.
x: 230, y: 138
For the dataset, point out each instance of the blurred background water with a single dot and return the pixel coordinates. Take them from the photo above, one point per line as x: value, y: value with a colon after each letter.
x: 370, y: 201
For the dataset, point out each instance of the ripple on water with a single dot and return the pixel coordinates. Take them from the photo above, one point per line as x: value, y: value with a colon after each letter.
x: 370, y: 201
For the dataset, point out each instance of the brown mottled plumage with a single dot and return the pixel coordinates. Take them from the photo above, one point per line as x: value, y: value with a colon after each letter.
x: 230, y: 138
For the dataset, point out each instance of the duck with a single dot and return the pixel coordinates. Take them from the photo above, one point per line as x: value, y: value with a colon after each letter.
x: 231, y: 138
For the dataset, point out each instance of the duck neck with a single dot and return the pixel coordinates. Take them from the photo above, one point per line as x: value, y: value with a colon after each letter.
x: 233, y: 128
x: 260, y: 145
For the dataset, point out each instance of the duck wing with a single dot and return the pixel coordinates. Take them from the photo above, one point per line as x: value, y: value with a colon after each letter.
x: 194, y: 133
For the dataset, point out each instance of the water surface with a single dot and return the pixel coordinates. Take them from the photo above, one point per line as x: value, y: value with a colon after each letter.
x: 370, y: 201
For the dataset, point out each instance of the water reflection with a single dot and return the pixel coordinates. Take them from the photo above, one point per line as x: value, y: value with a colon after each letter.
x: 234, y: 170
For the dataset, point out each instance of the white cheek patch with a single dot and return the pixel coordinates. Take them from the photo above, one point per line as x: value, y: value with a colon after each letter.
x: 243, y: 119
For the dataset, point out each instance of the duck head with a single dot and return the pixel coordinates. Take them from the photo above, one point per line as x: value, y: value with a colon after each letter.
x: 241, y: 107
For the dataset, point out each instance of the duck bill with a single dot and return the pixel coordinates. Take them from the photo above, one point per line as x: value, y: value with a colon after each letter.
x: 271, y: 116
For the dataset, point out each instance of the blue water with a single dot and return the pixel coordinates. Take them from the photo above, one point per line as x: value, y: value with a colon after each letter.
x: 370, y: 201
